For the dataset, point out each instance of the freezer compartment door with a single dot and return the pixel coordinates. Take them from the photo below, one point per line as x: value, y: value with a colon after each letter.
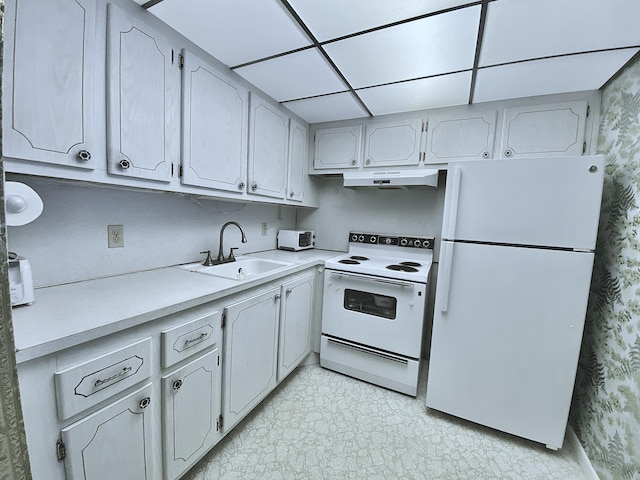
x: 504, y: 351
x: 543, y: 201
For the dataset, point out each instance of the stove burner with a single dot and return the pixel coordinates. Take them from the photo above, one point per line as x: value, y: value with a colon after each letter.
x: 357, y: 257
x: 402, y: 268
x: 348, y: 261
x: 410, y: 264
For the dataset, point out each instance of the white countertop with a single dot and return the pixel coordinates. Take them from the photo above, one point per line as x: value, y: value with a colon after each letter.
x: 66, y: 315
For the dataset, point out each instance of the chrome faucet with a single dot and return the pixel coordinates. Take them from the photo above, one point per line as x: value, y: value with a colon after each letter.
x: 231, y: 257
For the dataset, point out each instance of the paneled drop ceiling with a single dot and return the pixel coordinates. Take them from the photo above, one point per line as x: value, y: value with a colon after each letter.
x: 337, y: 59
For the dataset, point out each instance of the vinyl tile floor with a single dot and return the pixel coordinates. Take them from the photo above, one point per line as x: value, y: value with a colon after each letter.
x: 321, y: 425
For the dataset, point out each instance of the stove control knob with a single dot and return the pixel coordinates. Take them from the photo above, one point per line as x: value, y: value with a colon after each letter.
x: 354, y: 237
x: 416, y: 243
x: 404, y: 242
x: 372, y: 239
x: 387, y: 241
x: 361, y: 238
x: 425, y: 244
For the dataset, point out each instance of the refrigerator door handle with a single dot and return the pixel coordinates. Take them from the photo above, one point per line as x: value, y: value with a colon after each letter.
x: 444, y: 277
x: 449, y: 229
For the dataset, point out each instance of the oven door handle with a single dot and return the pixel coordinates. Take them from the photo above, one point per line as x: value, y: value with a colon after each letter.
x: 384, y: 355
x: 379, y: 280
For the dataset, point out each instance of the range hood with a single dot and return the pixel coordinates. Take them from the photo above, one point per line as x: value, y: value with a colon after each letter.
x: 391, y: 178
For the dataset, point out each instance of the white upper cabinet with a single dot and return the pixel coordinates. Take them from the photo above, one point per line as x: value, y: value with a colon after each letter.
x: 215, y: 122
x: 460, y: 137
x: 143, y: 92
x: 268, y: 149
x: 338, y: 148
x: 544, y: 130
x: 298, y: 148
x: 50, y: 97
x: 393, y: 143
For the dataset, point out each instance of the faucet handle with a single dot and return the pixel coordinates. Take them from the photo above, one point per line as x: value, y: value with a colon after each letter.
x: 209, y: 261
x: 232, y: 257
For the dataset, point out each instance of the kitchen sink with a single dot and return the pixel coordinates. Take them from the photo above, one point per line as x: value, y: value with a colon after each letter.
x: 243, y: 268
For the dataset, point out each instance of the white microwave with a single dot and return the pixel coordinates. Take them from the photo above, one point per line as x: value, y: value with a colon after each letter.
x: 295, y: 240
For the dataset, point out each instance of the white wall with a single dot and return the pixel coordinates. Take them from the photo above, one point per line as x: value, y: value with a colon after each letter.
x: 68, y: 242
x: 414, y: 211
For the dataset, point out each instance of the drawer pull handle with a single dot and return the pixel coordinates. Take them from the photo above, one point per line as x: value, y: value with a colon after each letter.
x: 198, y: 339
x: 145, y: 402
x: 121, y: 373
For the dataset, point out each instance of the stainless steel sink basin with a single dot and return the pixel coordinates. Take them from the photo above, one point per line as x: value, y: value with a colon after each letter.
x: 244, y: 268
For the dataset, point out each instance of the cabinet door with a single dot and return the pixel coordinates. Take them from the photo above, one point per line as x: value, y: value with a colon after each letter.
x: 298, y: 147
x: 190, y: 411
x: 393, y: 143
x: 544, y: 130
x: 250, y: 354
x: 295, y: 323
x: 50, y: 83
x: 214, y: 139
x: 337, y: 147
x: 143, y: 91
x: 114, y: 442
x: 268, y: 148
x: 460, y: 137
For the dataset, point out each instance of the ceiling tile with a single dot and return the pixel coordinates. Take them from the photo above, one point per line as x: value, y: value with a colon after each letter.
x: 339, y: 106
x: 433, y: 45
x: 329, y: 19
x: 524, y: 29
x: 298, y: 75
x: 573, y: 73
x: 434, y: 92
x: 234, y: 31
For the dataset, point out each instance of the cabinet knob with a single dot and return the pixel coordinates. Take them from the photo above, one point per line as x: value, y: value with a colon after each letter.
x: 254, y: 186
x: 124, y: 163
x: 485, y: 154
x: 508, y: 152
x: 368, y: 161
x: 291, y: 194
x: 84, y: 155
x: 353, y: 162
x: 288, y: 291
x: 145, y: 402
x: 241, y: 186
x: 177, y: 385
x: 276, y: 297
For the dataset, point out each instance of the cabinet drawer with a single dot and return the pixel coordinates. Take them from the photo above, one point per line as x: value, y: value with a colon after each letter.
x: 89, y: 383
x: 188, y: 338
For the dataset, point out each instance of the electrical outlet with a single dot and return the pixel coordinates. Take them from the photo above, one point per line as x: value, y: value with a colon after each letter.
x: 264, y: 228
x: 115, y: 237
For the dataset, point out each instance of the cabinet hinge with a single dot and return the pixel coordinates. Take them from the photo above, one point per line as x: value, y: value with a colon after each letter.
x: 61, y: 450
x: 218, y: 360
x: 172, y: 59
x: 180, y: 61
x: 180, y: 171
x: 588, y: 109
x: 584, y: 147
x: 224, y: 320
x: 219, y: 423
x: 425, y: 126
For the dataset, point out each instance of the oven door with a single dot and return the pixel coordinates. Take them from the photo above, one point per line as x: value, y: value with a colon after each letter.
x: 378, y: 312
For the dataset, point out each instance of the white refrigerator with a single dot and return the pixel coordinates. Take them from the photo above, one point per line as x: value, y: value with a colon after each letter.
x: 515, y: 264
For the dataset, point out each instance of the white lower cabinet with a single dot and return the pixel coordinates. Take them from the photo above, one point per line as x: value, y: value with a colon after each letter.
x: 149, y: 402
x: 296, y: 311
x: 190, y: 413
x: 114, y: 442
x: 251, y: 352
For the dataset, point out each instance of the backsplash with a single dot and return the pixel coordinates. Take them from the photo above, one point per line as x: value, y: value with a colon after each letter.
x: 68, y: 242
x: 606, y: 408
